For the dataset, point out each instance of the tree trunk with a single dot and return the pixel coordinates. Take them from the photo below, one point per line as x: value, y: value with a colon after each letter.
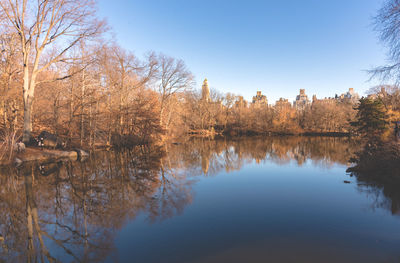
x: 71, y: 110
x: 121, y: 106
x: 3, y: 111
x: 90, y: 125
x: 161, y: 115
x: 55, y: 115
x: 28, y: 93
x: 82, y: 107
x: 28, y: 103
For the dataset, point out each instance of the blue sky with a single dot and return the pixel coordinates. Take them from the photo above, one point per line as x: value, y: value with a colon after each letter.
x: 274, y: 46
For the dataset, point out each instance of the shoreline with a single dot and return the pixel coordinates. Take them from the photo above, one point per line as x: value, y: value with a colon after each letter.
x: 271, y: 134
x: 33, y: 154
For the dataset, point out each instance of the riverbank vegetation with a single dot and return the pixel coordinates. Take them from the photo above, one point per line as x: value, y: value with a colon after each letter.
x: 380, y: 156
x: 378, y: 118
x: 60, y: 73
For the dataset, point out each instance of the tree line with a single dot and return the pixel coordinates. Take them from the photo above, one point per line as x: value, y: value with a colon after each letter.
x: 60, y: 73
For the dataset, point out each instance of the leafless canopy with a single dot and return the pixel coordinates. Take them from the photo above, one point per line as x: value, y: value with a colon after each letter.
x: 387, y: 24
x: 47, y: 30
x: 54, y: 26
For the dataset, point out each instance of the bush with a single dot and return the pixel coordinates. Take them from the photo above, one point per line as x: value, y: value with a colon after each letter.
x: 7, y: 140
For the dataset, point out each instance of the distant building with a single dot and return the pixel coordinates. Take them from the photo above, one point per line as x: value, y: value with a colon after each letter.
x: 282, y: 104
x: 205, y: 91
x: 241, y: 102
x: 325, y: 101
x: 260, y: 100
x: 381, y: 94
x: 314, y: 98
x: 302, y: 101
x: 350, y: 96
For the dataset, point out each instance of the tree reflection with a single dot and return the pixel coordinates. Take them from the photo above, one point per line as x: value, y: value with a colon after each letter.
x: 214, y: 155
x: 70, y: 211
x: 377, y: 170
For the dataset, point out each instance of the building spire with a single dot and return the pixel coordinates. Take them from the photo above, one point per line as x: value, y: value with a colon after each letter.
x: 205, y: 91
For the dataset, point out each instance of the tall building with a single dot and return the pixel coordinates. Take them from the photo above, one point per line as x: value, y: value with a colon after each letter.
x: 302, y: 101
x: 350, y: 96
x: 325, y: 101
x: 205, y: 91
x: 282, y: 104
x: 260, y: 100
x: 241, y: 102
x: 380, y: 94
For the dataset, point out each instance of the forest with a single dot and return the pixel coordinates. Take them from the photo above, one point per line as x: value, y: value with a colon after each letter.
x: 61, y: 73
x: 154, y: 131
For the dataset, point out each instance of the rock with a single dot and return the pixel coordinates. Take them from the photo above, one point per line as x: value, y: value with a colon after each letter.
x: 18, y: 162
x: 47, y: 169
x: 82, y: 155
x: 32, y: 142
x: 49, y: 140
x: 19, y: 147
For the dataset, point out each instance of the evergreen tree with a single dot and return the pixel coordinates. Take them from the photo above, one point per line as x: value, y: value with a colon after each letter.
x: 371, y: 118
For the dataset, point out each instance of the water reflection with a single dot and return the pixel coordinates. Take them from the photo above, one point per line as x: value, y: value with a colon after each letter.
x: 377, y: 170
x: 215, y: 155
x: 71, y: 211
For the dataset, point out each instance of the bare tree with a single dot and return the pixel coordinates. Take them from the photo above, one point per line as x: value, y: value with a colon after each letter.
x: 127, y: 74
x: 47, y: 26
x: 173, y: 77
x: 387, y: 24
x: 9, y: 79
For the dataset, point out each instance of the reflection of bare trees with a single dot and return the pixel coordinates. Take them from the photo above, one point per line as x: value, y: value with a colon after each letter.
x: 382, y: 192
x: 70, y: 211
x: 12, y: 216
x: 73, y: 213
x: 377, y: 169
x: 51, y: 219
x: 214, y: 155
x: 173, y: 193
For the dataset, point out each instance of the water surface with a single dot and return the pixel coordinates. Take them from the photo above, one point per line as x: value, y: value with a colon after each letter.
x: 251, y: 200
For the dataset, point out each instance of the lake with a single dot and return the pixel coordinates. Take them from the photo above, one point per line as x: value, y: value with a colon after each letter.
x: 274, y: 199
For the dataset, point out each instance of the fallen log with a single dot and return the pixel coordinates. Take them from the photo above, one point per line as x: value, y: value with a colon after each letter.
x: 32, y: 154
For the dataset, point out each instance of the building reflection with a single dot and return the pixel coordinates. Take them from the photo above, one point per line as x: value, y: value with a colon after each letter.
x: 72, y: 210
x: 231, y: 155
